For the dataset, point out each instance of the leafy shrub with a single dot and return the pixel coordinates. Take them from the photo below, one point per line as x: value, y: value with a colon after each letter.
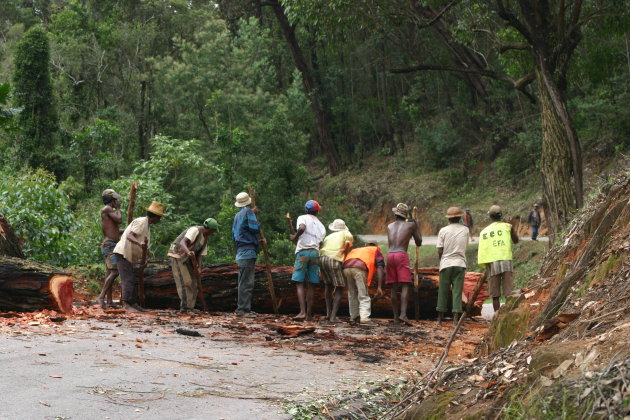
x: 40, y: 214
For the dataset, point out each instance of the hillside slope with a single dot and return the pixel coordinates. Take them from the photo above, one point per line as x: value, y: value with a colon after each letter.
x: 560, y: 349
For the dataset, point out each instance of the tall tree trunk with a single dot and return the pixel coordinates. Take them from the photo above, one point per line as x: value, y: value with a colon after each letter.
x: 561, y: 161
x: 143, y: 140
x: 312, y: 90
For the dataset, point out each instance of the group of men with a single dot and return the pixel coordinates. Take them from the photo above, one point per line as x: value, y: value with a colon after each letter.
x: 341, y: 266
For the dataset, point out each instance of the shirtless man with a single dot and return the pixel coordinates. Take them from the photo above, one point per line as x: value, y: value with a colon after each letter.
x: 111, y: 220
x: 399, y: 233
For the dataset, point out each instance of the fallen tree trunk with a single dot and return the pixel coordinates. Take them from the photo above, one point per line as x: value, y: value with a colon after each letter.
x: 32, y: 286
x: 219, y: 283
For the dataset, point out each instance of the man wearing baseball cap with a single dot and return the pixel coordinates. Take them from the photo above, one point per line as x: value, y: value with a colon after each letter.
x: 110, y: 224
x: 191, y: 243
x: 495, y: 254
x: 310, y: 233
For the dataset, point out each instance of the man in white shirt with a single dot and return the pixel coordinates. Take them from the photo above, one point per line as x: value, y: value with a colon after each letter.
x: 451, y: 247
x: 191, y: 243
x: 310, y: 233
x: 128, y: 252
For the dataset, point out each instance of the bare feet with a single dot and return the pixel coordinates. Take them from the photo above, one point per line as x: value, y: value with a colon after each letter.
x: 335, y: 319
x: 101, y: 303
x: 130, y: 308
x: 405, y: 321
x: 299, y: 317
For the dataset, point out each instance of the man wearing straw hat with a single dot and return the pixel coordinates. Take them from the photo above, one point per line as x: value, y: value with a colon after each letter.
x: 191, y: 243
x: 245, y: 232
x: 331, y: 256
x: 451, y: 248
x: 398, y: 272
x: 129, y: 249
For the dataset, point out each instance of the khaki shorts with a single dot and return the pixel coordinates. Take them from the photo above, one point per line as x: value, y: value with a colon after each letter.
x: 503, y: 281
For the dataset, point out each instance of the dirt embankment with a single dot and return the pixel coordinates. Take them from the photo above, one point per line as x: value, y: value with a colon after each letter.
x: 560, y: 348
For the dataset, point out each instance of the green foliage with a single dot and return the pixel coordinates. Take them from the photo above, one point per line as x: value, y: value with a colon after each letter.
x: 40, y: 214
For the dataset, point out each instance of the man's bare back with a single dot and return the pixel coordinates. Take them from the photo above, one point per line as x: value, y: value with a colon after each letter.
x: 400, y: 232
x: 111, y: 220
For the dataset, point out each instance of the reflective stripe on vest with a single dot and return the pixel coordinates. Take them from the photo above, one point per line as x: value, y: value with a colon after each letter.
x: 367, y: 254
x: 495, y: 243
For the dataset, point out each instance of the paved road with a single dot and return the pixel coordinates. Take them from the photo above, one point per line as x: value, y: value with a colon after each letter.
x: 430, y: 240
x: 121, y: 369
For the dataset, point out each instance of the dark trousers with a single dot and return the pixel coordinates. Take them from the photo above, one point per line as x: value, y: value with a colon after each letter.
x: 127, y: 280
x: 245, y: 284
x: 534, y: 232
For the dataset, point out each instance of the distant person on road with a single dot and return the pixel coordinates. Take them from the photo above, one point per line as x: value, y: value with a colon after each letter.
x: 191, y: 243
x: 129, y: 250
x: 331, y: 256
x: 245, y: 233
x: 534, y: 221
x: 495, y: 253
x: 399, y: 233
x: 358, y: 269
x: 110, y: 223
x: 310, y: 233
x: 451, y: 248
x: 467, y: 220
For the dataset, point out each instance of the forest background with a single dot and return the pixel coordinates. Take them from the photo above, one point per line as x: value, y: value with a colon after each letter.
x: 357, y: 104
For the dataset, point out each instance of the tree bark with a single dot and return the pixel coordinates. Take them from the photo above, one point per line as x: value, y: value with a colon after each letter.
x: 219, y: 283
x: 32, y: 286
x: 313, y: 91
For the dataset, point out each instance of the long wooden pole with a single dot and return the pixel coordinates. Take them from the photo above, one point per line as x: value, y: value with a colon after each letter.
x: 416, y: 278
x: 143, y: 265
x: 132, y: 201
x: 200, y: 295
x: 272, y: 289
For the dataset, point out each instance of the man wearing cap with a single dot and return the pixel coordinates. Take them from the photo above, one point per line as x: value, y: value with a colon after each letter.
x: 451, y: 248
x: 398, y: 275
x: 191, y: 243
x: 359, y: 268
x: 110, y: 222
x: 495, y: 254
x: 331, y: 256
x: 245, y: 232
x: 129, y: 250
x: 534, y: 221
x: 310, y: 233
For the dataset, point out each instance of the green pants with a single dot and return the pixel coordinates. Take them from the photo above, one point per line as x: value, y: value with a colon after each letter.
x: 451, y: 277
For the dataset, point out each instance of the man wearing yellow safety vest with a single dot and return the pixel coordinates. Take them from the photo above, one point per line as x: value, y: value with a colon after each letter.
x: 495, y: 250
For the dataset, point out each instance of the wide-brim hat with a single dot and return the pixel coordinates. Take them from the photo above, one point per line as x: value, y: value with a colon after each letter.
x: 401, y: 210
x: 454, y: 211
x: 156, y: 208
x: 337, y: 225
x: 494, y: 210
x: 109, y: 193
x: 243, y: 199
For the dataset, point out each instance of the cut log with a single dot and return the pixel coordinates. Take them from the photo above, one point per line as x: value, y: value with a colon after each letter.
x: 32, y: 286
x: 9, y: 242
x: 219, y: 283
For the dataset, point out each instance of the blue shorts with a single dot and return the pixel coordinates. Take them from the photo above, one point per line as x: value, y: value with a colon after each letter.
x: 107, y: 250
x: 306, y: 266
